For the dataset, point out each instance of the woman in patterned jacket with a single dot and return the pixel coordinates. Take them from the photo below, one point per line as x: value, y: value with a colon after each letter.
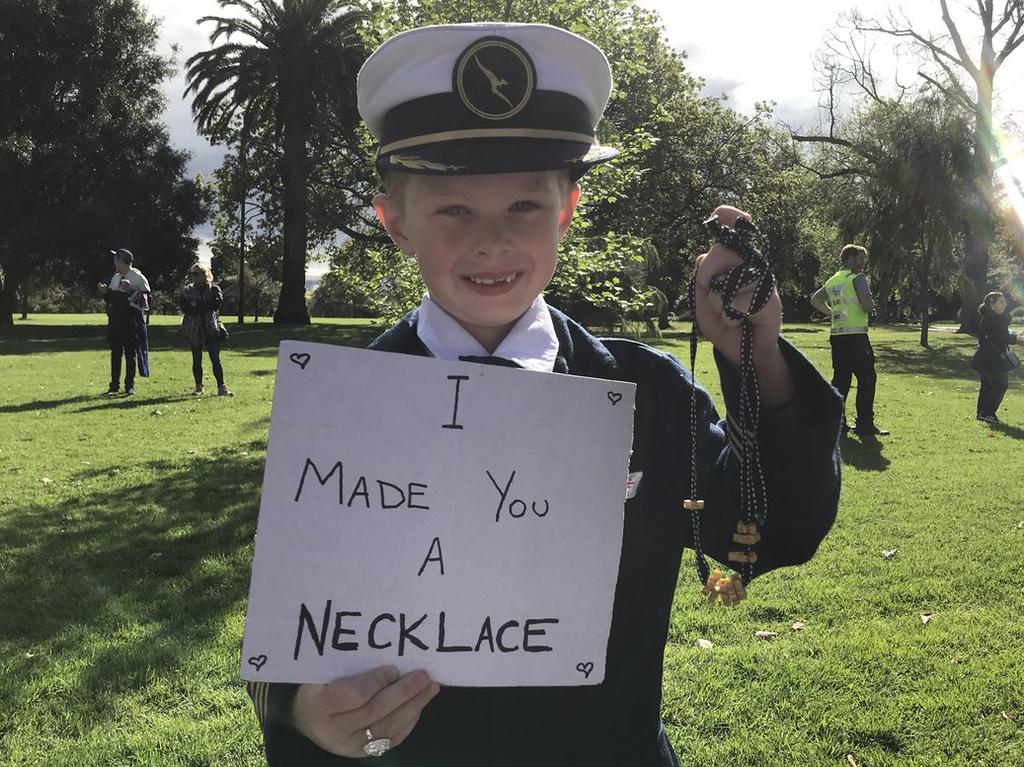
x: 200, y: 302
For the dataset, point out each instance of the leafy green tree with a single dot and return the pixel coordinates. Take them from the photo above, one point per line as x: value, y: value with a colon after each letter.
x: 936, y: 176
x: 86, y: 166
x: 683, y: 155
x: 341, y: 294
x: 897, y: 176
x: 638, y: 228
x: 297, y: 67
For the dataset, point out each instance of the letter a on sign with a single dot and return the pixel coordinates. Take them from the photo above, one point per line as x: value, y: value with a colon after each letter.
x: 435, y: 544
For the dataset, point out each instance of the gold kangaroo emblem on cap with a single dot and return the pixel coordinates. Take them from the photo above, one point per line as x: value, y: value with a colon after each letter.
x: 496, y: 82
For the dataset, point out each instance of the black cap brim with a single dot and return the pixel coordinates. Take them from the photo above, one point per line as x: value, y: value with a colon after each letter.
x: 497, y: 155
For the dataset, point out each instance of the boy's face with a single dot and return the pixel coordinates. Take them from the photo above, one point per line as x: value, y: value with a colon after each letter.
x: 486, y: 244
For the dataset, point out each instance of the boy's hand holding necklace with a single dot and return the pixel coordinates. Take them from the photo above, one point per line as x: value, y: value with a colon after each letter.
x: 774, y: 380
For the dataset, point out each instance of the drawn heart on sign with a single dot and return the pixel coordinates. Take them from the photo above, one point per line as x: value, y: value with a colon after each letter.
x: 300, y: 359
x: 586, y: 668
x: 258, y: 661
x: 614, y: 397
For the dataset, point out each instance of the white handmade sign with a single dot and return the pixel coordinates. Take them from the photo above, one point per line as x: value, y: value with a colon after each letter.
x: 461, y: 518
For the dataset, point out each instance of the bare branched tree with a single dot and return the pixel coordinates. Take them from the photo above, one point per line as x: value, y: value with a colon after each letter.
x: 967, y: 79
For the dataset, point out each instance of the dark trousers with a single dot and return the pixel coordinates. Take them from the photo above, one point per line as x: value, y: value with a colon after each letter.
x: 994, y: 382
x: 213, y: 348
x: 852, y: 355
x: 122, y: 344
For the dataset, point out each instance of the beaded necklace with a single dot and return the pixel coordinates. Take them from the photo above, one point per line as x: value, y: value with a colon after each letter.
x: 755, y: 269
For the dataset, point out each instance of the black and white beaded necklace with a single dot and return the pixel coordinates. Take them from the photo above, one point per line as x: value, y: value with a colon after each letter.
x: 754, y: 269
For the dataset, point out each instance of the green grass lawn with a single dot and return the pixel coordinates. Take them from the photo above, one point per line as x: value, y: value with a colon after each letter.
x: 127, y: 528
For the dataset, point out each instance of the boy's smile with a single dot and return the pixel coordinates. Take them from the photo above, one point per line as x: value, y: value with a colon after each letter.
x: 486, y: 244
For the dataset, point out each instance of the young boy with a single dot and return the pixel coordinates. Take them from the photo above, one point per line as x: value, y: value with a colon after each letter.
x: 484, y: 131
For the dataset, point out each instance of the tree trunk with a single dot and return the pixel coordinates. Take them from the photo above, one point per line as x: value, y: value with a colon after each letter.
x: 291, y: 307
x: 972, y: 286
x: 24, y: 304
x: 663, y: 321
x: 241, y: 230
x: 979, y: 236
x: 882, y: 299
x: 8, y: 299
x: 882, y: 290
x: 924, y: 298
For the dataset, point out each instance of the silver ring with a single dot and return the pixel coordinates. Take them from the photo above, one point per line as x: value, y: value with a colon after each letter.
x: 376, y: 746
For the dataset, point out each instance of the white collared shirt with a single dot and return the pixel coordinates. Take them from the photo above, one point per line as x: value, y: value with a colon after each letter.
x: 531, y: 343
x: 133, y: 277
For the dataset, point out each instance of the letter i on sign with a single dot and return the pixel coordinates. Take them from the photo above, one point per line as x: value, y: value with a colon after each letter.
x: 455, y: 407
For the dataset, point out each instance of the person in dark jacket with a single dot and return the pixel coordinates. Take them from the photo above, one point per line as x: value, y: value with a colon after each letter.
x: 200, y: 304
x: 127, y: 284
x: 994, y: 339
x: 480, y: 188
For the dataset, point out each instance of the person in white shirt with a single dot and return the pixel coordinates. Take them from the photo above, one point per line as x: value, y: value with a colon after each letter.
x: 126, y: 283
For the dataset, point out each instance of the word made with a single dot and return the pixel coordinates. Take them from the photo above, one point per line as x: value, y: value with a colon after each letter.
x: 386, y: 495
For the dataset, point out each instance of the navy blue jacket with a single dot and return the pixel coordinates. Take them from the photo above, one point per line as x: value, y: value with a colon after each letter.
x: 993, y: 339
x: 618, y: 723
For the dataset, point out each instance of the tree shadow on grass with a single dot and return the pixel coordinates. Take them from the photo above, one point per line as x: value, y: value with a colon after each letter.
x: 29, y: 339
x: 102, y: 402
x: 251, y: 340
x: 864, y: 453
x: 267, y: 337
x: 943, y: 362
x: 48, y: 404
x: 108, y: 590
x: 124, y: 402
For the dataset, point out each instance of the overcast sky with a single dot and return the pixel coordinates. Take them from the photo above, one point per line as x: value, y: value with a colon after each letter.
x: 749, y: 50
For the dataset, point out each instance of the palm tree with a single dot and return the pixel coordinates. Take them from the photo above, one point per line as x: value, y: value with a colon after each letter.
x: 298, y: 64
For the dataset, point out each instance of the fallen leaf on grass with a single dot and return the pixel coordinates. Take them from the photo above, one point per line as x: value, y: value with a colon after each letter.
x: 889, y: 553
x: 190, y: 452
x: 956, y: 660
x: 45, y: 480
x: 705, y: 644
x: 926, y: 617
x: 798, y: 626
x: 765, y: 635
x: 851, y: 761
x: 158, y: 412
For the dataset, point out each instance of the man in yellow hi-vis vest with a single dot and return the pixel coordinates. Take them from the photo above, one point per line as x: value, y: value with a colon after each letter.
x: 846, y: 298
